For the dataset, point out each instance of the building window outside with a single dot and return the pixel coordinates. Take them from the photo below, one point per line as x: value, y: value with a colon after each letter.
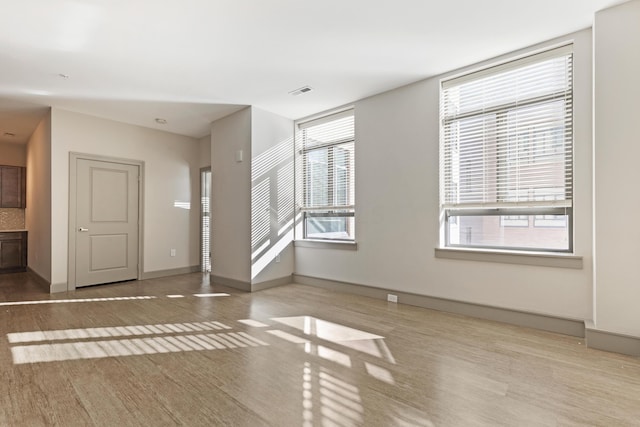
x: 506, y: 166
x: 327, y: 164
x: 514, y: 221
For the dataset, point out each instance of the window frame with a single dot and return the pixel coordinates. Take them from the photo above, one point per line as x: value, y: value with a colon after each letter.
x: 503, y: 151
x: 330, y: 210
x: 511, y: 211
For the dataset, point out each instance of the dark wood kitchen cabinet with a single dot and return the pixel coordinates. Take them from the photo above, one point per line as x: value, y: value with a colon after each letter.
x: 13, y: 187
x: 13, y: 251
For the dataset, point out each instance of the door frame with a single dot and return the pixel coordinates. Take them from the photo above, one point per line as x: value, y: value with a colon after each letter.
x: 71, y: 256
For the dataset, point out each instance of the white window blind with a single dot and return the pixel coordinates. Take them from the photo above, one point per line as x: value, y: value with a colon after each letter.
x: 205, y: 220
x: 506, y: 155
x: 328, y: 171
x: 507, y: 135
x: 327, y: 149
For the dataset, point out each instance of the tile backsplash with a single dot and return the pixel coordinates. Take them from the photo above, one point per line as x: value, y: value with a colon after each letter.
x: 11, y: 219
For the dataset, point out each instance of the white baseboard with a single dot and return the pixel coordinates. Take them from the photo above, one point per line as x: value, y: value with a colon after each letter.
x: 170, y: 272
x: 41, y: 280
x: 594, y: 338
x: 251, y: 287
x: 232, y: 283
x: 611, y: 341
x: 572, y: 327
x: 286, y: 280
x: 58, y: 287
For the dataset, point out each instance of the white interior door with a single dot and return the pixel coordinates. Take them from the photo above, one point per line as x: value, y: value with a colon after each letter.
x: 106, y: 222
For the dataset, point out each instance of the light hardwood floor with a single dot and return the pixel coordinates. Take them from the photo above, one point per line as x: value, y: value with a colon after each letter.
x: 154, y: 353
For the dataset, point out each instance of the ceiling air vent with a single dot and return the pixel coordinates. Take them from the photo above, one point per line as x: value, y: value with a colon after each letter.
x: 300, y: 91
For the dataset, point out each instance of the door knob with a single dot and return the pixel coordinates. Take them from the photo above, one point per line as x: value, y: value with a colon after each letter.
x: 84, y: 230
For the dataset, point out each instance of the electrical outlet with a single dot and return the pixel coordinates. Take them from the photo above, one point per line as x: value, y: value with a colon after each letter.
x: 392, y: 298
x: 173, y: 252
x: 278, y: 258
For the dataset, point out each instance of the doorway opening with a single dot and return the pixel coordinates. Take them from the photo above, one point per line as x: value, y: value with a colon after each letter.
x: 205, y: 220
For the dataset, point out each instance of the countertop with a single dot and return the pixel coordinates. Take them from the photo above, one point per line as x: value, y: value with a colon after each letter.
x: 13, y: 231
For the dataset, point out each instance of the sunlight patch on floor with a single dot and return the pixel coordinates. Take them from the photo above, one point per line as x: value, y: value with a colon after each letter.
x: 325, y: 330
x: 113, y: 331
x: 379, y: 373
x: 328, y: 400
x: 60, y: 301
x: 143, y: 297
x: 253, y: 323
x: 288, y: 337
x: 130, y: 347
x: 219, y: 294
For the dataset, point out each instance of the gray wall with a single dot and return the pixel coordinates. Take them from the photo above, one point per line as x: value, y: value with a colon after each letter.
x: 171, y: 183
x: 617, y: 152
x: 231, y: 197
x: 252, y: 200
x: 397, y: 208
x: 272, y: 204
x: 38, y: 211
x: 13, y: 154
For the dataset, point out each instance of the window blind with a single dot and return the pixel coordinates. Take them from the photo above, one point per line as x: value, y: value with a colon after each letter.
x: 328, y: 163
x: 507, y: 135
x: 205, y: 220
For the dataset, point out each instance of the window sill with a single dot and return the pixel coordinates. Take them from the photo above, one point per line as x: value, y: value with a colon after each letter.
x: 507, y: 257
x: 326, y: 244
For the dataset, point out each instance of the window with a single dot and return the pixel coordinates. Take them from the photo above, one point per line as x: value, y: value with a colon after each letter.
x: 514, y: 220
x: 327, y: 167
x: 506, y: 155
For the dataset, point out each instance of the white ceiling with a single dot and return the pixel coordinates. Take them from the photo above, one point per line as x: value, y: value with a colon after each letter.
x: 193, y: 61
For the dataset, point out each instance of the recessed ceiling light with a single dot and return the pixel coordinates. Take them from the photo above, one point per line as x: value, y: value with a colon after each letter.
x: 9, y: 134
x: 161, y: 121
x: 300, y: 91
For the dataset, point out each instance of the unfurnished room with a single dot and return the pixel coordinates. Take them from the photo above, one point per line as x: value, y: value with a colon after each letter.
x: 337, y: 213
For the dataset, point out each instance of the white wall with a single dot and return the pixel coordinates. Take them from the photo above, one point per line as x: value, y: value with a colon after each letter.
x: 171, y: 176
x: 231, y: 197
x: 397, y: 213
x: 616, y: 151
x: 205, y: 151
x: 38, y: 211
x: 272, y: 204
x: 13, y: 154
